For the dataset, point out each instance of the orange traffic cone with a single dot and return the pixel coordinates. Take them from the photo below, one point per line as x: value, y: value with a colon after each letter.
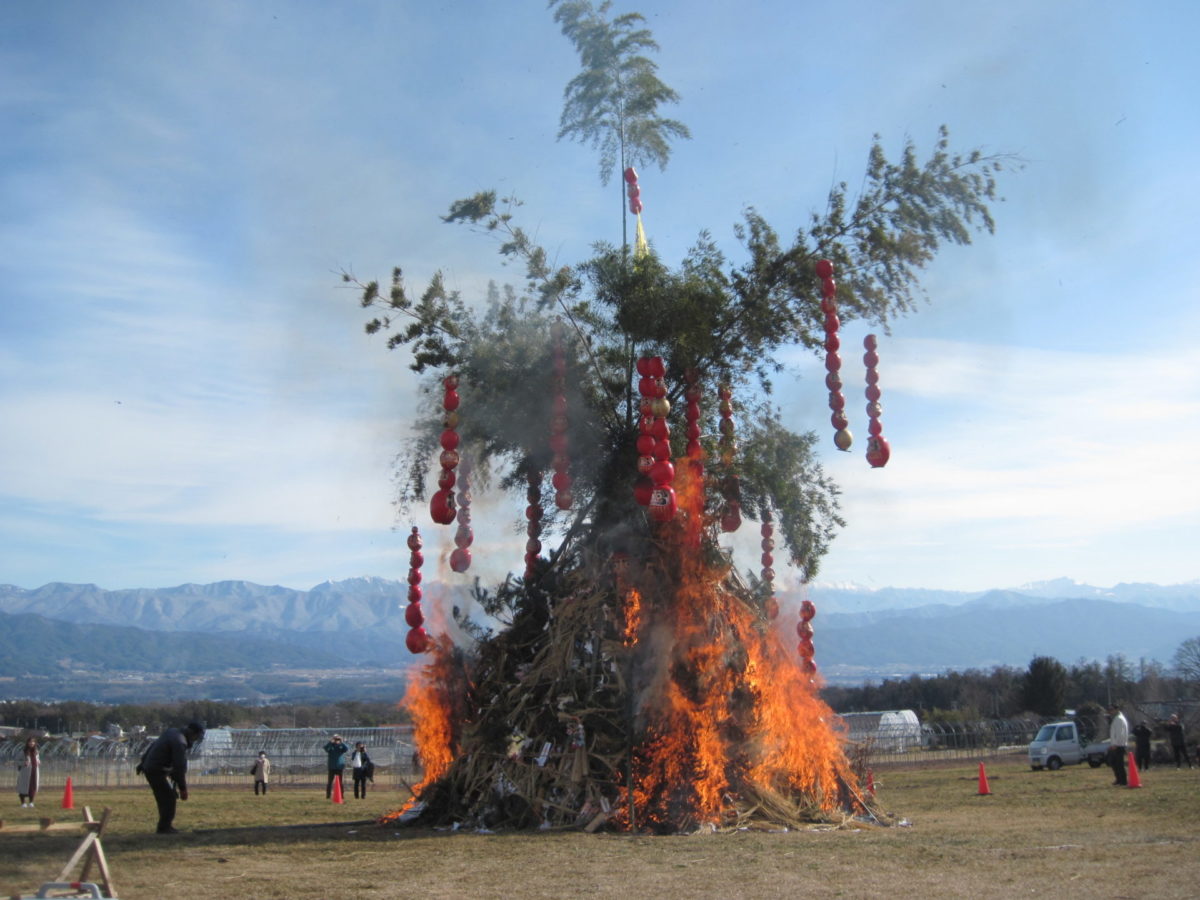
x: 870, y: 782
x: 337, y: 791
x: 983, y: 784
x: 68, y: 795
x: 1135, y: 780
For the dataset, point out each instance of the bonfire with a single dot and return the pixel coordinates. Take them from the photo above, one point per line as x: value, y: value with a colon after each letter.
x: 633, y: 677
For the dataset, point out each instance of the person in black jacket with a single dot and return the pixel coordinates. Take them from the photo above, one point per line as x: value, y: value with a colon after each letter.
x: 1141, y: 745
x: 165, y: 766
x: 1175, y: 737
x: 362, y: 768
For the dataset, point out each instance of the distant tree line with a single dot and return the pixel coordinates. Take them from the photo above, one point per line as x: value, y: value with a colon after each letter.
x: 1046, y: 687
x: 74, y: 717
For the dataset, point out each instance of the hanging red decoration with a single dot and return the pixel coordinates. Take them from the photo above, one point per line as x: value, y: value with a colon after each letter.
x: 694, y: 451
x: 842, y: 439
x: 441, y: 504
x: 460, y: 557
x: 633, y: 190
x: 417, y: 639
x: 805, y: 631
x: 767, y: 530
x: 656, y: 471
x: 533, y: 516
x: 731, y: 485
x: 559, y: 442
x: 878, y: 449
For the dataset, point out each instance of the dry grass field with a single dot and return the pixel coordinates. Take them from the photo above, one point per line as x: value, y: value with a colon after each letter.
x: 1068, y: 833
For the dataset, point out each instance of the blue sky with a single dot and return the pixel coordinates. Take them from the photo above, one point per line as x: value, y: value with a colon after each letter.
x: 187, y: 393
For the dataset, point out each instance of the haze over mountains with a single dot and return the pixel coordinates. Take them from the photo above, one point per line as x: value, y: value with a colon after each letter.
x: 861, y: 632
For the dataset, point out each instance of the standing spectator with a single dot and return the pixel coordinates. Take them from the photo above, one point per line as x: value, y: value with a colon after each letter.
x: 1118, y: 743
x: 261, y: 770
x: 27, y: 777
x: 165, y: 766
x: 362, y: 769
x: 335, y: 750
x: 1141, y: 745
x: 1174, y: 729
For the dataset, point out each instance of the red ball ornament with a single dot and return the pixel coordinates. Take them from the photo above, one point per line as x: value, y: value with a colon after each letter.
x: 824, y: 268
x: 731, y: 519
x: 657, y: 367
x: 558, y: 444
x: 833, y: 343
x: 646, y: 444
x: 645, y: 464
x: 643, y: 366
x: 446, y: 479
x: 648, y: 387
x: 417, y: 640
x: 874, y: 428
x: 837, y: 400
x: 806, y: 649
x: 807, y: 610
x: 413, y: 616
x: 833, y: 362
x: 772, y: 608
x: 662, y: 450
x: 808, y: 667
x: 463, y: 537
x: 878, y: 451
x: 643, y: 488
x: 414, y: 593
x: 450, y: 401
x: 804, y: 629
x: 533, y: 512
x: 414, y: 577
x: 460, y: 559
x: 414, y: 539
x: 839, y: 420
x: 449, y: 439
x: 692, y: 431
x: 663, y: 504
x: 449, y: 459
x: 563, y: 500
x: 416, y: 559
x: 561, y: 481
x: 662, y: 473
x: 534, y: 546
x: 660, y: 429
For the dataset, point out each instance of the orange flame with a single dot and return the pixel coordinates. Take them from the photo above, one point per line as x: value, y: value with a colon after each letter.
x: 736, y: 715
x: 433, y: 700
x: 633, y: 617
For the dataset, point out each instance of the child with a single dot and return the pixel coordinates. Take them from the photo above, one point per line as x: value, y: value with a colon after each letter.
x: 261, y: 770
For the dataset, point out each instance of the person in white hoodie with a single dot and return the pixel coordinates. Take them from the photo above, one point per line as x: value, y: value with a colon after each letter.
x: 1118, y: 743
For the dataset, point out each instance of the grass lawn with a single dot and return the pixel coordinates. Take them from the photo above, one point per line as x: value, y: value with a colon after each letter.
x: 1068, y: 833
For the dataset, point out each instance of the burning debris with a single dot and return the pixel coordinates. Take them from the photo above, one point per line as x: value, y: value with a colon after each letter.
x: 641, y: 691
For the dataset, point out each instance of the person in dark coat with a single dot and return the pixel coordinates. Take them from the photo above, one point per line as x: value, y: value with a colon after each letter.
x: 1174, y: 729
x: 335, y: 751
x: 1141, y: 745
x: 27, y: 777
x: 165, y: 765
x: 362, y: 769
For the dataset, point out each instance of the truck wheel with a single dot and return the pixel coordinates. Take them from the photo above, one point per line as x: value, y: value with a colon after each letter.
x: 1095, y: 762
x: 1036, y: 768
x: 1054, y: 764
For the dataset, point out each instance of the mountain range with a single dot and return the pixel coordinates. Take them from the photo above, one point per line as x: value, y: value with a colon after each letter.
x: 860, y: 632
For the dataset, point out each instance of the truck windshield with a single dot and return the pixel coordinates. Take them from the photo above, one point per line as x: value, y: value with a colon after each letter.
x: 1046, y: 733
